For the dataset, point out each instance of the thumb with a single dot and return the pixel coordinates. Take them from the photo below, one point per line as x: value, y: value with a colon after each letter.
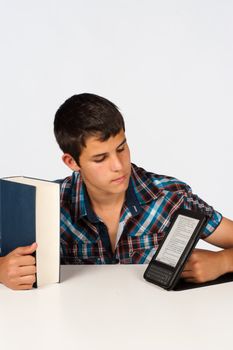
x: 26, y: 250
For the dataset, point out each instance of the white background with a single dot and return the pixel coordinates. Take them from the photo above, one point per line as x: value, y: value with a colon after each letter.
x: 166, y: 64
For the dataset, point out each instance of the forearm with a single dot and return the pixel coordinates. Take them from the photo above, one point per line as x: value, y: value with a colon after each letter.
x: 226, y: 257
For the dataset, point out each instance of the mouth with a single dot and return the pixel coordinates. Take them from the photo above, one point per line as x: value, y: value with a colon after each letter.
x: 120, y: 179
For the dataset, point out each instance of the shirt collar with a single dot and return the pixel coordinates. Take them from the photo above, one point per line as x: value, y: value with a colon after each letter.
x: 144, y: 185
x: 140, y: 191
x: 131, y: 202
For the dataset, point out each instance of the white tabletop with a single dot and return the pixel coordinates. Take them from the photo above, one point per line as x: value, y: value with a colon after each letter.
x: 113, y: 307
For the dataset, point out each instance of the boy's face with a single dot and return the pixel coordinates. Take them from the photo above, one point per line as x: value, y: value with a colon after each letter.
x: 102, y: 163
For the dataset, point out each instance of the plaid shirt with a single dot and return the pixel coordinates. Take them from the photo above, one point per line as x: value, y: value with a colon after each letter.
x: 150, y: 202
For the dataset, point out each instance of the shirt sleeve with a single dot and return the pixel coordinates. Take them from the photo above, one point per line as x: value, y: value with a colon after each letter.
x: 193, y: 202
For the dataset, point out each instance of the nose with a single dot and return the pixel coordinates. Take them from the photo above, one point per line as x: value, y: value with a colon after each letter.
x: 115, y: 163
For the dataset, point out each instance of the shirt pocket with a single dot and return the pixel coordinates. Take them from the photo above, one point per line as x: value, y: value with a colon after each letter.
x: 83, y: 253
x: 139, y: 256
x: 141, y: 249
x: 143, y: 256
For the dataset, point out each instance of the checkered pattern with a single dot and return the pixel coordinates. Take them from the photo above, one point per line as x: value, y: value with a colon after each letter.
x: 150, y: 202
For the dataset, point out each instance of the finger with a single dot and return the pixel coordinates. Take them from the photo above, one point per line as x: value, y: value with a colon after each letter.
x: 26, y: 286
x: 29, y: 279
x: 190, y: 280
x: 187, y: 274
x: 23, y: 287
x: 188, y: 266
x: 26, y: 250
x: 25, y: 260
x: 187, y: 269
x: 27, y: 270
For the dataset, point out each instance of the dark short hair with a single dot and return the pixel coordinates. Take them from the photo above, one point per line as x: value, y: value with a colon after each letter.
x: 82, y: 116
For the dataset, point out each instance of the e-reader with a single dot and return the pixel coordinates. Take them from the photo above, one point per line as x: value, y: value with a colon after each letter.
x: 167, y: 264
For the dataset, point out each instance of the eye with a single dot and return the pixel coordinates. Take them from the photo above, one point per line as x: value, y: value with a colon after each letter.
x: 99, y: 160
x: 102, y: 159
x: 121, y: 149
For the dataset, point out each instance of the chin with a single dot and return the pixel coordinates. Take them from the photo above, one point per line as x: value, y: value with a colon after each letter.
x: 118, y: 188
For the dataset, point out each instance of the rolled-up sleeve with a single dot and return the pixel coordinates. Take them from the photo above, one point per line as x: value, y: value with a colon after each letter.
x: 193, y: 202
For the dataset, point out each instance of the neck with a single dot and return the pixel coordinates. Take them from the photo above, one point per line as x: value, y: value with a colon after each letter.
x: 106, y: 202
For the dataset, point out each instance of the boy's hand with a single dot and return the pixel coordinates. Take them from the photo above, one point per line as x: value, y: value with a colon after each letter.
x: 204, y: 265
x: 17, y: 269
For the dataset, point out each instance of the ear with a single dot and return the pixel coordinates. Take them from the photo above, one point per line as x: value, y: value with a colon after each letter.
x: 70, y: 162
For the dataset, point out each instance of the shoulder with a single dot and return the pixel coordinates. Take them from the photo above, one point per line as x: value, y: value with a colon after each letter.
x: 68, y: 186
x: 158, y: 182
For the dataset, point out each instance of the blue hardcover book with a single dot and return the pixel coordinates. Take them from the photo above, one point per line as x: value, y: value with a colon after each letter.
x: 30, y: 212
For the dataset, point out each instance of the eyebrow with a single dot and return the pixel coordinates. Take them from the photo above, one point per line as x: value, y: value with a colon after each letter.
x: 104, y: 154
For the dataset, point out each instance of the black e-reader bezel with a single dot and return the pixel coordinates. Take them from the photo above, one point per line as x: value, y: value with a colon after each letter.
x: 171, y: 274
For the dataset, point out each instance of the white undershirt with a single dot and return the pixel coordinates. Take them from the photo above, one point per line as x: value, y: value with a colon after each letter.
x: 119, y: 232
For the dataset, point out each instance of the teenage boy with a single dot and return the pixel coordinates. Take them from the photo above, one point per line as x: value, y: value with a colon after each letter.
x: 113, y: 211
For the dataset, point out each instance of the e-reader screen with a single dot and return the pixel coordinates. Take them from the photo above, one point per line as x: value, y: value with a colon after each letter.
x: 177, y: 240
x: 183, y: 233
